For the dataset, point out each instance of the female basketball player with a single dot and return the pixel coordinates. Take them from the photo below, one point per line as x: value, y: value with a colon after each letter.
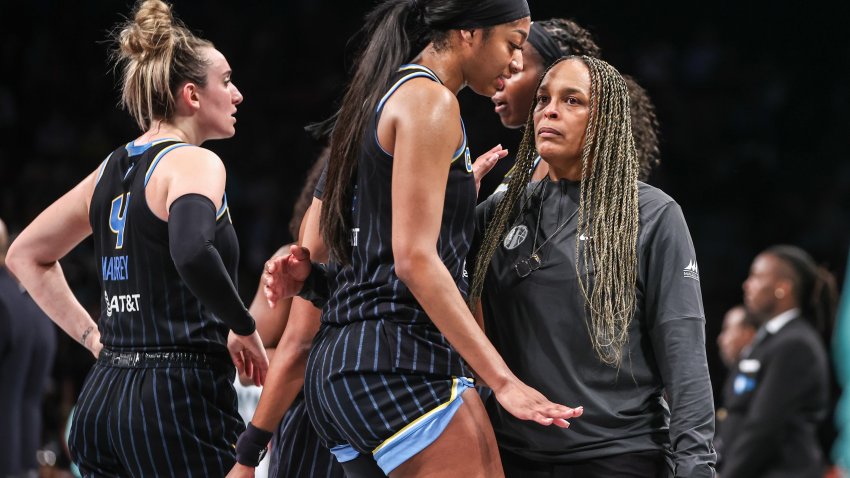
x: 159, y: 401
x: 385, y: 376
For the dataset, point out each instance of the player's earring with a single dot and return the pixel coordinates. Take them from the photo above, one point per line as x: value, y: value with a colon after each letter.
x: 779, y: 293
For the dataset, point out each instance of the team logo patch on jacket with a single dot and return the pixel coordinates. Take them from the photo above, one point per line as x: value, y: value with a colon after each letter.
x: 691, y: 270
x: 515, y: 237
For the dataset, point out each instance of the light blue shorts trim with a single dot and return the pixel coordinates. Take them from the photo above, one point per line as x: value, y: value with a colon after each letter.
x: 344, y: 453
x: 421, y: 432
x: 416, y: 436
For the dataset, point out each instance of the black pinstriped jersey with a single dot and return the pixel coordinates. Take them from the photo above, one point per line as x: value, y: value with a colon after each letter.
x: 146, y: 305
x: 369, y: 288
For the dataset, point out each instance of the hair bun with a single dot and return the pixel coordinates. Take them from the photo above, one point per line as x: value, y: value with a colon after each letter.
x: 150, y: 31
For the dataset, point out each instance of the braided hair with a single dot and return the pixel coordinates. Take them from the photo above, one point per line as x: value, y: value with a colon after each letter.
x: 608, y: 211
x: 571, y: 38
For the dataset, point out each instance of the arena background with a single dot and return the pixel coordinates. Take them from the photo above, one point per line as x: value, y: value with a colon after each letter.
x: 752, y: 99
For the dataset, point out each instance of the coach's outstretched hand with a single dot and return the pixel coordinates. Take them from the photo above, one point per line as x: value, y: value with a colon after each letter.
x: 249, y: 356
x: 284, y: 276
x: 526, y: 403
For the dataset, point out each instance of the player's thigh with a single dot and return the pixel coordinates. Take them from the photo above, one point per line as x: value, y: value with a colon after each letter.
x: 466, y: 448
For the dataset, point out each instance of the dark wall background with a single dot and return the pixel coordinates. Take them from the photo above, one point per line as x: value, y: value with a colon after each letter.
x: 752, y: 101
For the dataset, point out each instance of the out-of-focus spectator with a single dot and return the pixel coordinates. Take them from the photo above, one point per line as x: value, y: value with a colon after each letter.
x: 736, y: 336
x: 781, y: 389
x: 737, y: 333
x: 27, y: 346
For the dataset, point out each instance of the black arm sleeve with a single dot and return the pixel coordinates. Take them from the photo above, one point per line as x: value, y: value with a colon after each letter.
x: 191, y: 231
x: 315, y: 288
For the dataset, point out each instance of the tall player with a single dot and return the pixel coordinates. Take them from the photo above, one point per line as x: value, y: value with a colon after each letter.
x: 385, y: 377
x: 160, y: 400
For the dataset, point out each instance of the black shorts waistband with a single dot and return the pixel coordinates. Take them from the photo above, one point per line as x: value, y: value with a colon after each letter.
x: 139, y: 359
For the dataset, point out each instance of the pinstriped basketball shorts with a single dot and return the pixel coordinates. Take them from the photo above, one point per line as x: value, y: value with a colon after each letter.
x: 137, y: 419
x: 390, y: 415
x: 297, y: 450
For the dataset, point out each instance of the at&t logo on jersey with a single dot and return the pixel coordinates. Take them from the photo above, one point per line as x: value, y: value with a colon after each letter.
x: 121, y: 303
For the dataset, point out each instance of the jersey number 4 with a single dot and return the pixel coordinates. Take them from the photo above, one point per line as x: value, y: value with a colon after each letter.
x: 118, y: 217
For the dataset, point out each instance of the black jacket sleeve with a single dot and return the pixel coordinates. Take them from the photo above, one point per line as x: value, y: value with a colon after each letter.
x: 677, y: 330
x: 191, y: 232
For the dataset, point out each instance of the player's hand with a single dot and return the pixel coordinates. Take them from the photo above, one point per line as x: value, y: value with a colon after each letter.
x: 526, y: 403
x: 241, y: 471
x: 249, y: 356
x: 284, y: 276
x: 485, y: 163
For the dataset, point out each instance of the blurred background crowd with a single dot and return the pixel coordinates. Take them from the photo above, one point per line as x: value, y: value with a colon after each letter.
x: 752, y: 101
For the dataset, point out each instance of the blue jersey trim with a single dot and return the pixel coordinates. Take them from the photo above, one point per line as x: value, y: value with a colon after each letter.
x: 417, y: 71
x: 420, y: 433
x: 222, y: 209
x: 102, y: 168
x: 401, y: 81
x: 158, y: 157
x: 134, y: 149
x: 462, y: 150
x: 417, y: 66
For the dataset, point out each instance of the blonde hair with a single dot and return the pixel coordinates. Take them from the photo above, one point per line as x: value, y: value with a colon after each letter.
x: 158, y: 54
x: 607, y: 213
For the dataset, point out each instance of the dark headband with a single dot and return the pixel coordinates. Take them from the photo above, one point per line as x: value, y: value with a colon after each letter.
x: 488, y: 13
x: 543, y: 42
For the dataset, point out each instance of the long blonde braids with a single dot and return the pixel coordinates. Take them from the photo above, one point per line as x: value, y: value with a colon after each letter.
x: 608, y: 214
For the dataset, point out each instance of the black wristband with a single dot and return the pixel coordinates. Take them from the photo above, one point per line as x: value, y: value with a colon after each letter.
x: 252, y: 445
x: 315, y: 288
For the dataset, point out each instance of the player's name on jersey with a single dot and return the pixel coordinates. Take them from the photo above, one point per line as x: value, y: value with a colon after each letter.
x: 121, y: 303
x: 114, y: 268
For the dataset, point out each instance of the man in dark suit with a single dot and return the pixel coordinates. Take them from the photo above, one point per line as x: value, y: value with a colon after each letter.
x: 27, y: 346
x: 781, y: 385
